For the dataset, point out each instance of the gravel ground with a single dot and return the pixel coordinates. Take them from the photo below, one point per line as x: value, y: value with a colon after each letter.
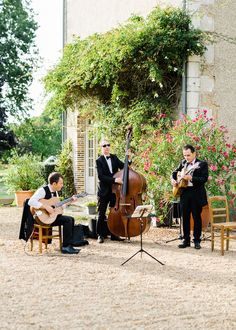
x: 195, y: 289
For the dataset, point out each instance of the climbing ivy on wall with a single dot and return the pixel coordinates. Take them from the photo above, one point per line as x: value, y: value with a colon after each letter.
x: 131, y: 74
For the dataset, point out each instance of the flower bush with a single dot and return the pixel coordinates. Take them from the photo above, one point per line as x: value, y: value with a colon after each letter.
x: 162, y: 151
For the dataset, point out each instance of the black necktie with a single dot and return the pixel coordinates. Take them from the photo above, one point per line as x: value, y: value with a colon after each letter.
x: 107, y: 157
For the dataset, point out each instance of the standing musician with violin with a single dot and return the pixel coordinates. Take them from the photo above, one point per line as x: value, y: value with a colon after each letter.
x: 39, y: 201
x: 107, y: 165
x: 193, y: 197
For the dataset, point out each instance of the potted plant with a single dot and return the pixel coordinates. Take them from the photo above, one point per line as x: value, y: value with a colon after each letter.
x: 23, y: 176
x: 92, y: 207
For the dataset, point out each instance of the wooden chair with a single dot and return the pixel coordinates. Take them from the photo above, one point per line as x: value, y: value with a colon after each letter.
x: 219, y: 211
x: 44, y: 233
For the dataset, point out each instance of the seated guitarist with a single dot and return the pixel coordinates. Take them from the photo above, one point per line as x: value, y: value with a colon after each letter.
x: 55, y: 184
x: 193, y: 197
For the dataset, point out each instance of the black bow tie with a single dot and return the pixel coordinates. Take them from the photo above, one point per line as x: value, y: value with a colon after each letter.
x: 189, y: 164
x: 107, y: 157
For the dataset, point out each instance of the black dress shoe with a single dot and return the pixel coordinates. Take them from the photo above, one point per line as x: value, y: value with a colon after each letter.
x: 100, y: 239
x: 81, y: 243
x: 184, y: 245
x: 117, y: 238
x: 69, y: 250
x: 197, y: 245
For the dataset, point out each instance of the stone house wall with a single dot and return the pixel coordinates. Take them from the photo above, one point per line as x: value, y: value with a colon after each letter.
x: 210, y: 80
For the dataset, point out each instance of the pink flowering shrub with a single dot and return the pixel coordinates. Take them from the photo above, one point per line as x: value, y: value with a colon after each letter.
x: 162, y: 151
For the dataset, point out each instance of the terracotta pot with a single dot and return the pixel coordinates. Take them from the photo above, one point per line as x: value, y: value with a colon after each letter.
x: 205, y: 218
x: 21, y: 195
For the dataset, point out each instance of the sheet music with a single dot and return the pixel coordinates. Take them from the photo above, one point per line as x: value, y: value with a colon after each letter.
x: 142, y: 211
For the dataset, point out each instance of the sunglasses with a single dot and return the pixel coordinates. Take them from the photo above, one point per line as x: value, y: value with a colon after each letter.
x: 106, y: 145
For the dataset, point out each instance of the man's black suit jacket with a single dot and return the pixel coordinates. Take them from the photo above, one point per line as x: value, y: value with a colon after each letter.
x: 105, y: 177
x: 199, y: 178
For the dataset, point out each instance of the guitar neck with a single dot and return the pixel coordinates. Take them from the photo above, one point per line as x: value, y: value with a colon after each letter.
x: 68, y: 200
x: 65, y: 201
x: 195, y: 166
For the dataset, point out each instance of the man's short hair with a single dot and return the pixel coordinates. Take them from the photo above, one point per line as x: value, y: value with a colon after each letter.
x: 54, y: 177
x: 104, y: 141
x: 189, y: 146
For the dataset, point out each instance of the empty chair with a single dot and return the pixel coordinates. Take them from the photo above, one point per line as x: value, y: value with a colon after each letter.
x: 219, y: 217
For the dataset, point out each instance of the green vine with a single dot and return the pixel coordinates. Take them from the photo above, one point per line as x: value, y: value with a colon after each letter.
x: 65, y: 167
x: 131, y: 74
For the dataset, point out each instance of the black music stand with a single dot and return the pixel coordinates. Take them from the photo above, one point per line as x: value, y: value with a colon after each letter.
x: 141, y: 211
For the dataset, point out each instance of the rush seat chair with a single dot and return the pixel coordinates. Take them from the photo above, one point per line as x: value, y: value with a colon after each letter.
x: 219, y: 217
x: 44, y: 234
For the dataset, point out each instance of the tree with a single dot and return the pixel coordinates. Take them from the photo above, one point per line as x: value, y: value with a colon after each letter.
x: 17, y: 49
x: 7, y: 139
x: 17, y: 33
x: 39, y: 135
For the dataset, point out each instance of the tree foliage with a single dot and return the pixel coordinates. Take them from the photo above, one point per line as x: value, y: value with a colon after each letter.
x: 131, y: 74
x: 17, y: 33
x: 39, y: 135
x: 7, y: 139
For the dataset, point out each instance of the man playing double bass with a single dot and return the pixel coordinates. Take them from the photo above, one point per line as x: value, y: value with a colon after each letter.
x: 193, y: 197
x: 107, y: 165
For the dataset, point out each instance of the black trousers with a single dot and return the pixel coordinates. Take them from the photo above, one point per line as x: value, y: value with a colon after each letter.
x: 68, y: 228
x: 189, y: 203
x: 103, y: 203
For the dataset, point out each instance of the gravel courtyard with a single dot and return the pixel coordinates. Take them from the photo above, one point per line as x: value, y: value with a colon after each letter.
x: 195, y: 289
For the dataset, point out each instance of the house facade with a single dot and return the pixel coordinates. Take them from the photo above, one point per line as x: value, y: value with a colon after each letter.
x: 208, y: 82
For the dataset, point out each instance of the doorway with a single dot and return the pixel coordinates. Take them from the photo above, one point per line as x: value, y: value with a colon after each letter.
x: 90, y: 169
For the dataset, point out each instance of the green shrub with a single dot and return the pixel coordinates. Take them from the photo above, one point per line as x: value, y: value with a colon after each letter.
x: 91, y: 203
x: 65, y: 167
x: 24, y: 173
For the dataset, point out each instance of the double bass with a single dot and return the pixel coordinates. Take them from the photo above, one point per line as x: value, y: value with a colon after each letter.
x: 128, y: 197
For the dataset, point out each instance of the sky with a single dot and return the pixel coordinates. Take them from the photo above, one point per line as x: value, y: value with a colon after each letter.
x: 49, y: 15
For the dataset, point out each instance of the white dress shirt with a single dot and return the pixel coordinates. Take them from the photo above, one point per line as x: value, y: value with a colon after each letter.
x: 109, y: 163
x: 39, y: 194
x: 188, y: 168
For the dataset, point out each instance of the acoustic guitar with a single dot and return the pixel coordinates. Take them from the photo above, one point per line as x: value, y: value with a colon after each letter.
x: 181, y: 182
x: 42, y: 217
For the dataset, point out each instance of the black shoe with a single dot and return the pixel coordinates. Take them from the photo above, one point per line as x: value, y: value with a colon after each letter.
x: 69, y: 250
x: 117, y: 238
x: 184, y: 245
x: 100, y: 239
x: 81, y: 243
x: 197, y: 245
